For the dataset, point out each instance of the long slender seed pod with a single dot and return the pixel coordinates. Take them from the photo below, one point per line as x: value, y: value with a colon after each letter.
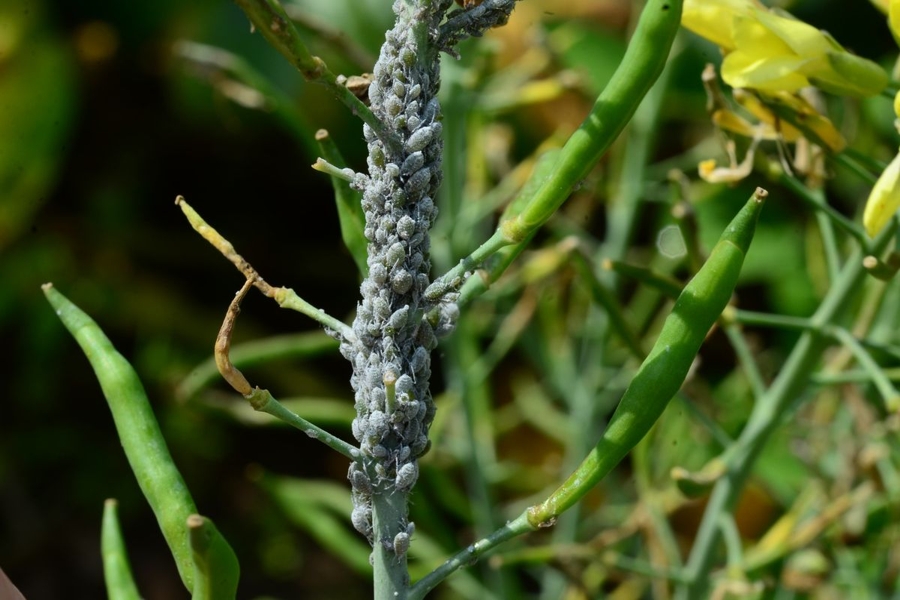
x: 116, y: 570
x: 216, y: 568
x: 138, y: 430
x: 643, y: 62
x: 663, y: 371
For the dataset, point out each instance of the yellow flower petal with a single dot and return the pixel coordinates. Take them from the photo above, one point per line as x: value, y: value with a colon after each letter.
x: 712, y: 19
x: 884, y: 200
x: 770, y: 50
x: 804, y: 40
x: 744, y: 70
x: 894, y: 18
x: 752, y: 37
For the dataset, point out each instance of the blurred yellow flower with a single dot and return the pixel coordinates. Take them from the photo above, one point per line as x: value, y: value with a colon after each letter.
x: 773, y: 51
x: 884, y: 200
x: 893, y: 11
x: 881, y: 5
x: 711, y: 19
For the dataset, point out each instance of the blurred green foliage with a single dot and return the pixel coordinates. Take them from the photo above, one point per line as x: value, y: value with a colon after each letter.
x: 102, y: 124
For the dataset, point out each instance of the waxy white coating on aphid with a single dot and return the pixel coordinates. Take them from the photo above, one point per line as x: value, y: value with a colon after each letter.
x: 418, y: 181
x: 398, y: 320
x: 361, y: 518
x: 401, y: 543
x: 404, y: 173
x: 359, y: 480
x: 395, y: 255
x: 401, y: 281
x: 406, y: 227
x: 413, y: 163
x: 407, y: 476
x: 404, y: 384
x: 420, y: 139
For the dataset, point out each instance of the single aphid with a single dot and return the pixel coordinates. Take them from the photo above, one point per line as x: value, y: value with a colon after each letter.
x: 468, y: 3
x: 359, y: 85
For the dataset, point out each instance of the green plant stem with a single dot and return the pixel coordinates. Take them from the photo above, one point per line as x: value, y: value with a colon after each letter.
x: 855, y: 167
x: 834, y: 332
x: 469, y: 556
x: 390, y: 507
x: 343, y: 43
x: 262, y: 401
x: 350, y: 213
x: 816, y: 200
x: 116, y: 570
x: 290, y: 346
x: 288, y: 298
x: 829, y: 245
x: 606, y: 299
x: 882, y: 383
x: 767, y: 414
x: 745, y: 357
x: 733, y: 545
x: 661, y: 375
x: 643, y: 62
x: 852, y: 376
x: 285, y: 297
x: 269, y: 18
x: 662, y: 282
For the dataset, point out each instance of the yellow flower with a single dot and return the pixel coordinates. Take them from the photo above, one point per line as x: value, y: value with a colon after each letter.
x: 893, y: 11
x: 884, y: 200
x: 711, y: 19
x: 773, y: 51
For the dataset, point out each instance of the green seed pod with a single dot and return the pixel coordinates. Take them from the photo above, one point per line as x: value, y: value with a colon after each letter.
x: 216, y: 569
x: 663, y: 371
x: 116, y: 570
x: 144, y: 446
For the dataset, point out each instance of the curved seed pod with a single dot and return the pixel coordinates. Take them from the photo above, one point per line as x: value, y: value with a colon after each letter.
x: 144, y: 446
x: 663, y: 371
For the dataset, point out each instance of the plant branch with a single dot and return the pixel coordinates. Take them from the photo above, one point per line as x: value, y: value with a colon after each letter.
x: 285, y: 297
x: 469, y: 556
x: 768, y: 412
x: 643, y: 62
x: 261, y: 400
x: 269, y: 17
